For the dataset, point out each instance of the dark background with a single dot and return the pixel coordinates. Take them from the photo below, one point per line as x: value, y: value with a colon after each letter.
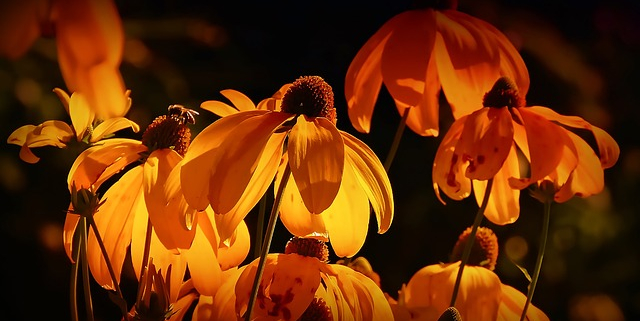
x: 582, y: 59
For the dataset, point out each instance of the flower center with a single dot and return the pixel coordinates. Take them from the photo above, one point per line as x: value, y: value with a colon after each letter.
x: 317, y: 311
x: 308, y: 247
x: 311, y: 96
x: 169, y: 131
x: 484, y: 251
x: 504, y: 93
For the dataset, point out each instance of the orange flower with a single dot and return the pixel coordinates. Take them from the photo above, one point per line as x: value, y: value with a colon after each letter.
x: 85, y: 127
x: 481, y: 296
x: 486, y: 143
x: 90, y: 42
x: 139, y: 196
x: 300, y: 282
x: 419, y: 52
x: 335, y: 176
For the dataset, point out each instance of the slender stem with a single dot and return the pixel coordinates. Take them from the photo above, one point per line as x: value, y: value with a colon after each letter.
x: 145, y: 259
x: 273, y: 218
x: 396, y: 139
x: 85, y: 269
x: 260, y: 225
x: 73, y: 286
x: 538, y: 267
x: 472, y: 237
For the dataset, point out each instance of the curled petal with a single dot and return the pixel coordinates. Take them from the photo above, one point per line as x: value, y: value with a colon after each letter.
x: 238, y: 99
x: 202, y: 257
x: 448, y: 166
x: 588, y: 176
x: 316, y: 157
x: 274, y: 102
x: 19, y: 136
x: 219, y: 108
x: 111, y: 126
x: 294, y: 214
x: 234, y: 250
x: 50, y: 133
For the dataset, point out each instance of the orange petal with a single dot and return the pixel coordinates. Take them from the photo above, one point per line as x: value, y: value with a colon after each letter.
x: 202, y: 258
x: 99, y: 162
x: 20, y: 25
x: 362, y: 294
x: 27, y: 155
x: 274, y: 102
x: 503, y: 206
x: 19, y: 136
x: 202, y: 153
x: 233, y: 252
x: 81, y: 114
x: 364, y: 79
x: 316, y: 158
x: 375, y: 182
x: 124, y: 200
x: 111, y: 126
x: 448, y: 167
x: 512, y: 304
x: 167, y: 217
x: 50, y: 133
x: 587, y: 178
x: 423, y: 118
x: 608, y: 148
x: 294, y: 214
x: 405, y: 60
x: 222, y: 306
x: 70, y: 223
x: 239, y: 158
x: 219, y: 108
x: 238, y: 99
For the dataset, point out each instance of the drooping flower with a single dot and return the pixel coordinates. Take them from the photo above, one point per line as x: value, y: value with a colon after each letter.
x: 89, y: 39
x: 138, y: 197
x: 335, y: 176
x: 419, y: 52
x: 485, y: 145
x: 481, y: 296
x: 85, y: 127
x: 298, y: 284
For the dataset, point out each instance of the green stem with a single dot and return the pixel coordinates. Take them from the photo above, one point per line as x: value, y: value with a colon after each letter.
x: 260, y: 225
x: 273, y: 219
x: 396, y: 139
x: 538, y: 267
x: 470, y: 240
x: 145, y: 259
x: 85, y: 269
x: 73, y: 286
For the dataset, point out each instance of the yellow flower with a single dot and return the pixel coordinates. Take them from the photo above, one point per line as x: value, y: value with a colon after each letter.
x: 139, y: 196
x: 420, y: 52
x: 298, y: 282
x: 486, y: 143
x: 335, y: 176
x: 481, y: 295
x: 85, y: 127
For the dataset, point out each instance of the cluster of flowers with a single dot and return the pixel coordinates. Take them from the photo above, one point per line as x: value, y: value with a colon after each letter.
x: 178, y: 206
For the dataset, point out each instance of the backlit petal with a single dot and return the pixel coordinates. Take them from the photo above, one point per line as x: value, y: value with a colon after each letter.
x: 512, y: 303
x: 19, y: 136
x: 27, y: 155
x: 449, y: 168
x: 240, y: 158
x: 423, y: 118
x: 588, y: 176
x: 70, y: 223
x: 365, y: 297
x: 81, y: 114
x: 50, y: 133
x: 222, y: 306
x: 406, y: 55
x: 372, y: 178
x: 316, y: 158
x: 294, y: 214
x: 238, y: 99
x: 236, y: 248
x: 202, y: 258
x: 111, y: 126
x: 219, y: 108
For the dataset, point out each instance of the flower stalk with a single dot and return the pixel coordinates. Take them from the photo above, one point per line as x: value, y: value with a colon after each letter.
x: 396, y: 139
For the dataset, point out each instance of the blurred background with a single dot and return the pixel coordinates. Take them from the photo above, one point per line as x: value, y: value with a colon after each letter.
x: 582, y: 58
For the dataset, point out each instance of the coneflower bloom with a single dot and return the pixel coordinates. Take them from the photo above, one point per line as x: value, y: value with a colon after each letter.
x: 485, y: 145
x: 419, y: 52
x: 299, y: 284
x: 481, y: 297
x: 335, y: 176
x: 85, y: 127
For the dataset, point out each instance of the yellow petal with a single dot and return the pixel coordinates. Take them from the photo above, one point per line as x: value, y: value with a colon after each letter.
x: 235, y: 252
x: 587, y: 178
x: 28, y: 156
x: 111, y: 126
x: 316, y: 158
x: 274, y: 102
x: 200, y: 157
x: 50, y: 133
x: 372, y: 178
x: 449, y: 168
x: 363, y: 295
x: 19, y: 136
x: 202, y: 258
x: 294, y: 214
x: 219, y: 108
x: 64, y: 98
x: 512, y: 304
x: 81, y: 114
x: 124, y: 200
x: 238, y: 99
x: 223, y: 305
x: 423, y: 118
x: 70, y: 223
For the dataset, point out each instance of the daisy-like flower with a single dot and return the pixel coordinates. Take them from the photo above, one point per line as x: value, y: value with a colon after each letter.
x: 419, y: 52
x: 335, y: 176
x: 300, y: 285
x: 138, y: 197
x: 481, y: 297
x: 85, y: 127
x: 90, y: 42
x: 485, y: 145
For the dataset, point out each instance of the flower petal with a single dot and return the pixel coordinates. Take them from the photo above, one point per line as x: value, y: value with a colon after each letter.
x: 19, y: 136
x: 363, y: 295
x: 238, y: 99
x: 373, y: 179
x: 81, y: 114
x: 111, y: 126
x: 202, y: 258
x: 219, y: 108
x: 222, y: 306
x: 20, y: 25
x: 316, y: 158
x: 449, y: 168
x: 240, y: 157
x: 588, y: 176
x: 236, y: 248
x: 512, y: 303
x: 50, y: 133
x: 70, y: 223
x: 423, y: 118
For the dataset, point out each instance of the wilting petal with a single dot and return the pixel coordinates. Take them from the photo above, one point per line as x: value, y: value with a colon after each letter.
x: 503, y: 206
x: 406, y: 55
x: 448, y: 167
x: 316, y: 158
x: 81, y: 114
x: 166, y: 217
x: 202, y: 258
x: 240, y: 158
x: 373, y: 179
x: 608, y: 149
x: 294, y: 214
x: 486, y: 141
x: 288, y: 284
x: 364, y: 79
x: 588, y: 176
x: 512, y: 303
x: 202, y: 152
x: 99, y: 162
x: 124, y: 200
x: 111, y: 126
x: 70, y: 224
